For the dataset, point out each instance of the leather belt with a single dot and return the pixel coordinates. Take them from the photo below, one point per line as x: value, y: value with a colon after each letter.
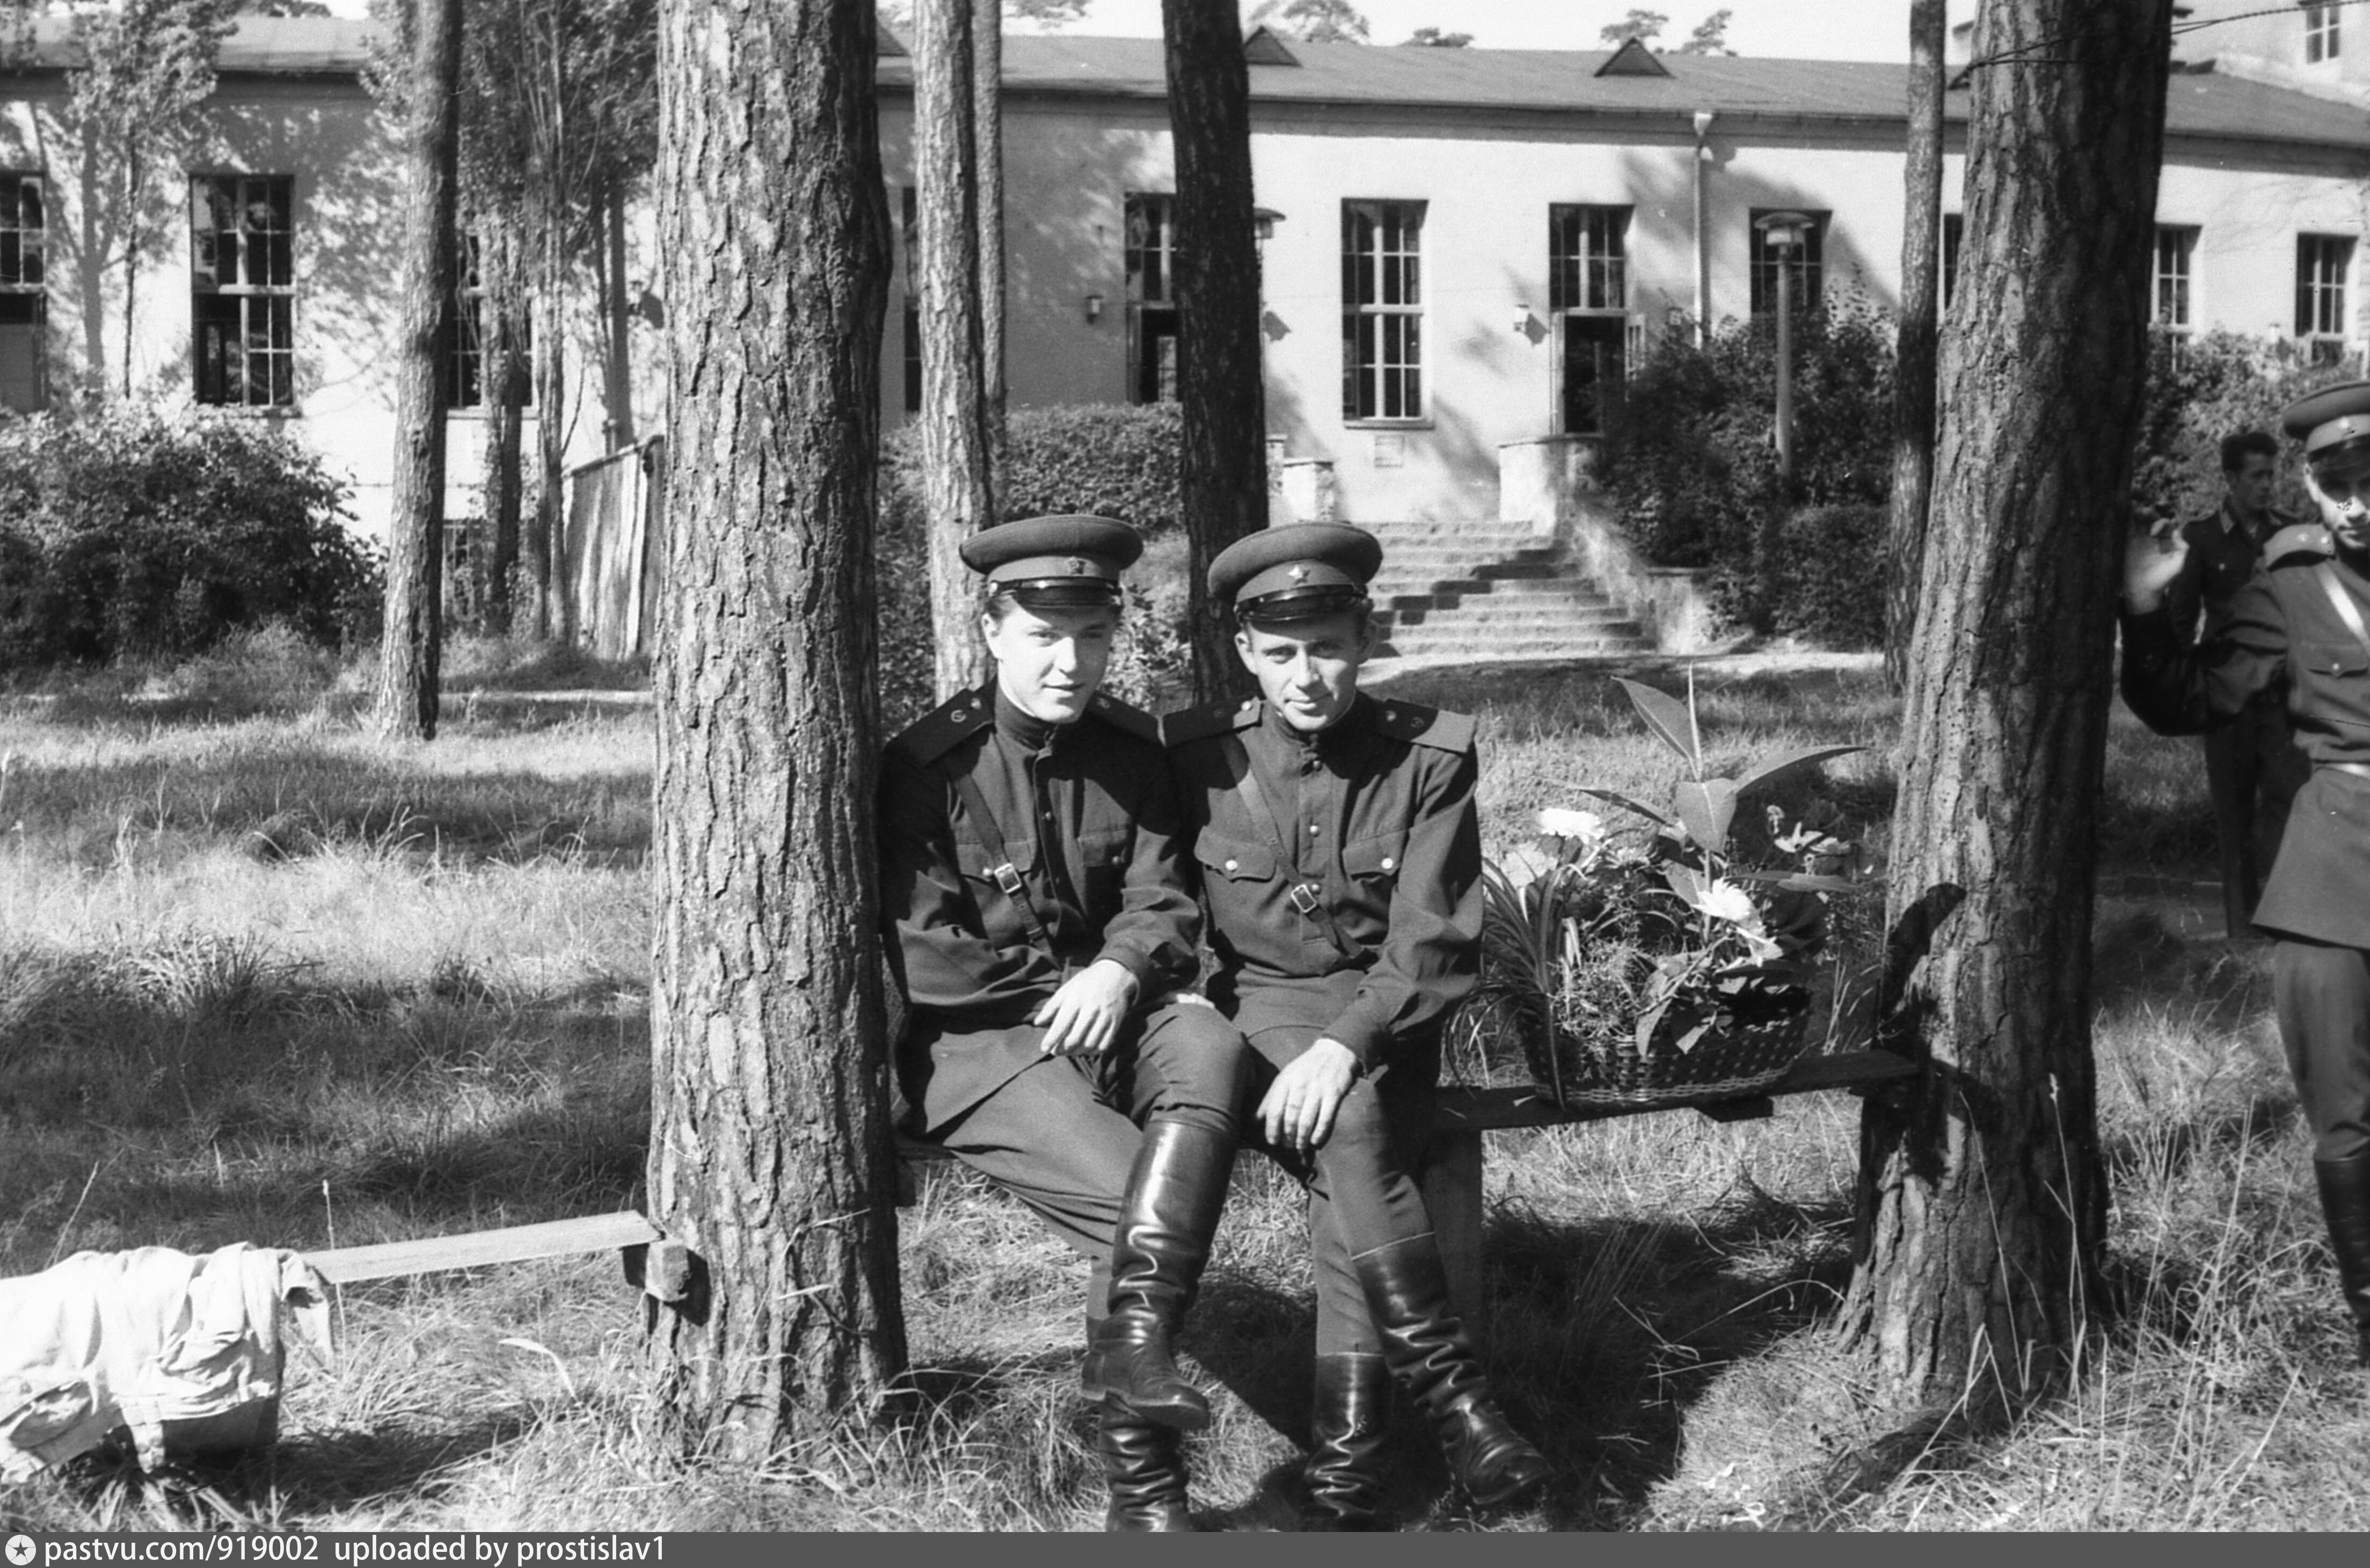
x: 2359, y: 769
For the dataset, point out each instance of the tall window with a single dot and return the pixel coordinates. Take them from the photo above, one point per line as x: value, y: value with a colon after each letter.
x: 1382, y: 311
x: 24, y: 312
x: 464, y: 343
x: 1588, y: 299
x: 1151, y: 299
x: 909, y: 235
x: 2322, y: 262
x: 1954, y: 237
x: 243, y: 289
x: 2168, y: 300
x: 1808, y: 266
x: 2320, y: 38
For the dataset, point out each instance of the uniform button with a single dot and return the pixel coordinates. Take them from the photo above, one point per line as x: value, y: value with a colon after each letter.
x: 1390, y: 864
x: 1232, y: 865
x: 1312, y: 827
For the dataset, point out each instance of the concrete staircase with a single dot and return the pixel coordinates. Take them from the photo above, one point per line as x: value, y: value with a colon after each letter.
x: 1491, y: 591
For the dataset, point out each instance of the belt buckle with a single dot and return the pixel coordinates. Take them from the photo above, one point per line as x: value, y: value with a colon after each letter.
x: 1008, y: 879
x: 1304, y: 898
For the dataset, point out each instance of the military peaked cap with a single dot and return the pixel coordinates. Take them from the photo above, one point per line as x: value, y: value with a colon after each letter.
x: 1295, y: 571
x: 1070, y: 558
x: 2331, y: 419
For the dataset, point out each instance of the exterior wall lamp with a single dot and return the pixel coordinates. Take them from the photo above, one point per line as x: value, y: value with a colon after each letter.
x: 1263, y: 222
x: 1094, y: 308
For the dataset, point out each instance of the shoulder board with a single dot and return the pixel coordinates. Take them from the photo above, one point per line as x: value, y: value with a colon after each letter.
x: 940, y: 730
x: 1426, y: 726
x: 1123, y: 716
x: 2306, y: 540
x: 1210, y: 719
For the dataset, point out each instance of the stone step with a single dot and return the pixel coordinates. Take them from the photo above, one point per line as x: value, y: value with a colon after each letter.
x: 1629, y: 641
x: 1497, y: 590
x: 1526, y: 620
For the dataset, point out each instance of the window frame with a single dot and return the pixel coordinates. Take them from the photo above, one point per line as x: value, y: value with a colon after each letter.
x: 2178, y: 244
x: 2323, y: 40
x: 274, y: 296
x: 1371, y: 375
x: 2321, y: 306
x: 25, y: 290
x: 1149, y: 251
x: 909, y: 239
x: 1588, y: 303
x: 1810, y: 269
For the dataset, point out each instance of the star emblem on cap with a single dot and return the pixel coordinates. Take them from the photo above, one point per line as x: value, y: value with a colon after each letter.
x: 1298, y: 574
x: 1077, y: 566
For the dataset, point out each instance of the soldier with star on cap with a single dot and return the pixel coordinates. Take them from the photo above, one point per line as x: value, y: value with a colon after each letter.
x: 2300, y: 627
x: 1043, y: 931
x: 1341, y: 856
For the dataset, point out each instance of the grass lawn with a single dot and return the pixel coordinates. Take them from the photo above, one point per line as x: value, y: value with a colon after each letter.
x: 265, y: 979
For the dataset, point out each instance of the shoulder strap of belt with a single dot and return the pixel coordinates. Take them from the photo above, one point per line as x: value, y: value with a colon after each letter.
x: 1008, y: 876
x: 1306, y: 896
x: 2342, y: 603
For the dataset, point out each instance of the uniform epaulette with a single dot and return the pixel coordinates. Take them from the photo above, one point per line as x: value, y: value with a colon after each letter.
x: 1210, y: 719
x: 2308, y: 540
x: 1125, y: 716
x: 1424, y: 725
x: 942, y: 728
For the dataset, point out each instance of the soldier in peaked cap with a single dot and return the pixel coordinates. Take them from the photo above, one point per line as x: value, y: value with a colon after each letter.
x: 1043, y: 930
x: 2299, y: 627
x: 1340, y: 860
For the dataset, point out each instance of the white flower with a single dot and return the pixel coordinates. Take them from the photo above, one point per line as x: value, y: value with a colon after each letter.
x: 1726, y: 901
x: 1559, y: 823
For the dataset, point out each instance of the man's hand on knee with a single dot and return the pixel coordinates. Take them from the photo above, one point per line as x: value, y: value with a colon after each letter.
x: 1300, y: 1105
x: 1083, y: 1018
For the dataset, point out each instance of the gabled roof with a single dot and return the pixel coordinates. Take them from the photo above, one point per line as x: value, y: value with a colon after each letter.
x: 1633, y: 59
x: 1263, y: 48
x: 267, y: 46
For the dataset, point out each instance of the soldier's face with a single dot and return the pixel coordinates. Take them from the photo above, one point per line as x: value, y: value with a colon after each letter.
x: 2251, y: 485
x: 1049, y: 662
x: 2341, y: 490
x: 1308, y: 670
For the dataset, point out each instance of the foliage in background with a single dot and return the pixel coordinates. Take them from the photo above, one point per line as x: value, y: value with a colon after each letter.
x: 2201, y: 390
x: 136, y: 534
x: 1815, y: 576
x: 1111, y: 459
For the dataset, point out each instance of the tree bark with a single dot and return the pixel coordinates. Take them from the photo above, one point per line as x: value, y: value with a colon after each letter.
x: 1982, y: 1201
x: 411, y: 635
x: 1917, y: 338
x: 556, y: 616
x: 1223, y: 467
x: 770, y: 1146
x: 617, y: 312
x: 955, y: 443
x: 505, y: 394
x: 988, y: 141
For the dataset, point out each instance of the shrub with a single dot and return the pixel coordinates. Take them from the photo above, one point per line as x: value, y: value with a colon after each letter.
x: 1114, y: 460
x: 1819, y: 572
x: 2201, y: 390
x: 128, y: 534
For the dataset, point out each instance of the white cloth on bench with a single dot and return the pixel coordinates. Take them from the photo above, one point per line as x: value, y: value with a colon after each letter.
x: 142, y: 1338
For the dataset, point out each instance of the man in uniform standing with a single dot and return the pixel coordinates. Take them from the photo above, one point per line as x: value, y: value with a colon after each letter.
x: 2251, y: 769
x: 1041, y: 929
x: 2299, y: 627
x: 1341, y: 861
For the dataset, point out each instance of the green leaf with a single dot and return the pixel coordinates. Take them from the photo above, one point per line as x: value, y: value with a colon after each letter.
x: 1798, y: 881
x: 1768, y: 771
x: 1669, y: 719
x: 1632, y: 803
x: 1686, y: 884
x: 1706, y: 810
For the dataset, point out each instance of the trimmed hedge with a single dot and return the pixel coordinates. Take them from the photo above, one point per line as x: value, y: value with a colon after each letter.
x: 127, y: 534
x: 1822, y: 576
x: 2200, y: 391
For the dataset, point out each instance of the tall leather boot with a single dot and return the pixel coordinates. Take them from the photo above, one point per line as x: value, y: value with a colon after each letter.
x: 1166, y: 1221
x: 1425, y: 1345
x: 1144, y: 1464
x: 1349, y: 1418
x: 2345, y: 1203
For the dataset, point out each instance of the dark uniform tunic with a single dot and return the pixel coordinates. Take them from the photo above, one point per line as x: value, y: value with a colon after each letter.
x: 2251, y: 769
x: 1085, y: 832
x: 2284, y: 634
x: 1374, y: 816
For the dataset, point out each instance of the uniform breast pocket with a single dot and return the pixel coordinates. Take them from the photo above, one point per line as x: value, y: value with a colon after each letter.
x: 1375, y: 864
x: 980, y: 866
x: 2333, y: 660
x: 1104, y: 857
x: 2336, y: 681
x: 1227, y: 859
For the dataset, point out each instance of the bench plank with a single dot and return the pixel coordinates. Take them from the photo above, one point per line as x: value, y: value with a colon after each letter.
x: 425, y: 1254
x: 1466, y: 1109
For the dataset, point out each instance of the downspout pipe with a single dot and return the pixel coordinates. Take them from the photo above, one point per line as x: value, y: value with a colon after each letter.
x: 1703, y: 231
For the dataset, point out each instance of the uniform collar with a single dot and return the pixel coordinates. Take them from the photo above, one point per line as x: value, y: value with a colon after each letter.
x: 1358, y: 717
x: 1025, y: 731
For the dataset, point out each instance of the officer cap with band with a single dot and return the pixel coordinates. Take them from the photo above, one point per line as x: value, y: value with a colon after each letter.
x: 1072, y: 558
x: 1295, y: 571
x: 2333, y: 423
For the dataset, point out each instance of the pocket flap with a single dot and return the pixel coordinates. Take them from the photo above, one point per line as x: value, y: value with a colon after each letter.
x: 1233, y: 859
x: 2333, y: 658
x: 1377, y: 857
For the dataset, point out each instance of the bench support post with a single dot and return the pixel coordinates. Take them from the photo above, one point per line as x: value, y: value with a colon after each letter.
x: 1452, y: 1194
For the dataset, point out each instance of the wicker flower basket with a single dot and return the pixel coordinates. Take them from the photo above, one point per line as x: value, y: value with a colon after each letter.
x: 1737, y: 1058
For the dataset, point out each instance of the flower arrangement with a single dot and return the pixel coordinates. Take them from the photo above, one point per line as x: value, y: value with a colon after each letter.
x: 1633, y: 972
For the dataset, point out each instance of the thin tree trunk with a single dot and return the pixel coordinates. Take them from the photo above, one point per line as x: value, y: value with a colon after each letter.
x: 988, y: 141
x: 556, y: 592
x: 1913, y: 382
x: 412, y: 633
x: 135, y: 177
x: 505, y: 395
x: 955, y: 445
x: 1222, y: 471
x: 770, y: 1147
x: 1982, y: 1196
x: 616, y: 308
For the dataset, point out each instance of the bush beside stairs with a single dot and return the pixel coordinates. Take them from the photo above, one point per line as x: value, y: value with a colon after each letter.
x: 1492, y: 592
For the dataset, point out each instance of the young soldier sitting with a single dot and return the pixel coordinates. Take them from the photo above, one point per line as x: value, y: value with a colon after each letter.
x: 1040, y: 926
x: 1340, y: 862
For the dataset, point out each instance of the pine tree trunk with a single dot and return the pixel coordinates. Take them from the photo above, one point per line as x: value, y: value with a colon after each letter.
x: 1223, y: 471
x: 1917, y: 338
x: 770, y: 1147
x: 987, y: 142
x: 557, y: 592
x: 955, y: 445
x: 505, y: 395
x: 412, y: 632
x: 617, y: 310
x: 1983, y: 1200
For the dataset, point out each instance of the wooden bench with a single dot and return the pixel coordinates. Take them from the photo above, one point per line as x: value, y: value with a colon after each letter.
x: 1452, y: 1175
